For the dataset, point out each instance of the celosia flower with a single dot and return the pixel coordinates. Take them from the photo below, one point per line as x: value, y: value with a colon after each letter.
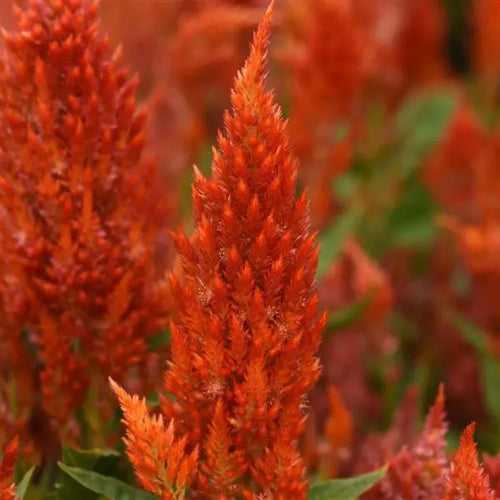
x: 354, y: 277
x: 246, y: 330
x: 418, y: 469
x: 450, y: 171
x: 160, y: 460
x: 421, y: 44
x: 206, y: 50
x: 5, y: 15
x: 144, y: 44
x: 76, y: 232
x: 327, y: 55
x: 7, y: 489
x: 377, y: 449
x: 492, y: 468
x: 467, y: 480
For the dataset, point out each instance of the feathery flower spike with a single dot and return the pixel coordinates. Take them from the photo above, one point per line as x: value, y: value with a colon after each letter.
x: 7, y: 489
x: 75, y: 231
x: 160, y: 460
x: 417, y: 470
x: 246, y: 328
x: 492, y: 468
x: 467, y: 479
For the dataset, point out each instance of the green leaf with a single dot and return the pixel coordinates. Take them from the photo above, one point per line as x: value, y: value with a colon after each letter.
x: 348, y: 315
x: 111, y: 488
x: 420, y: 124
x: 490, y: 364
x: 23, y: 485
x: 97, y: 460
x: 90, y: 459
x: 333, y: 239
x: 159, y: 340
x: 412, y: 222
x: 346, y: 489
x: 471, y: 333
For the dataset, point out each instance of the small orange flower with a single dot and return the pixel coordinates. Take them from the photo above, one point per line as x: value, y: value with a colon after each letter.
x: 161, y: 462
x: 467, y: 479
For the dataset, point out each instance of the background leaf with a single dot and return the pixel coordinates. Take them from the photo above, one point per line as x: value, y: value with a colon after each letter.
x: 97, y: 460
x: 23, y: 485
x: 343, y: 318
x: 110, y: 487
x: 333, y: 239
x: 346, y: 489
x: 489, y: 363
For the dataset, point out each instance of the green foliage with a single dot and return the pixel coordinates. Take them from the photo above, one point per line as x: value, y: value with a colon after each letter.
x: 159, y: 341
x: 419, y: 126
x: 98, y: 461
x: 411, y: 222
x: 384, y: 189
x: 345, y: 317
x: 111, y: 488
x: 346, y: 489
x: 22, y: 487
x: 333, y: 239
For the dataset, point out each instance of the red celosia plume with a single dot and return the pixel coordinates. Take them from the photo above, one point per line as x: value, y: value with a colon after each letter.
x: 418, y: 469
x: 492, y: 468
x: 76, y: 230
x: 467, y: 480
x: 7, y: 489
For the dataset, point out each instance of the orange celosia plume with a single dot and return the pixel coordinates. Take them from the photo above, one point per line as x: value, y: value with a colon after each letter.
x: 467, y: 480
x: 246, y: 329
x: 159, y: 459
x: 246, y: 333
x: 76, y: 230
x: 7, y: 489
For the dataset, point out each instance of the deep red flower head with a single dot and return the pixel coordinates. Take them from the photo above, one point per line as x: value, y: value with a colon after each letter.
x: 467, y: 480
x: 418, y: 469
